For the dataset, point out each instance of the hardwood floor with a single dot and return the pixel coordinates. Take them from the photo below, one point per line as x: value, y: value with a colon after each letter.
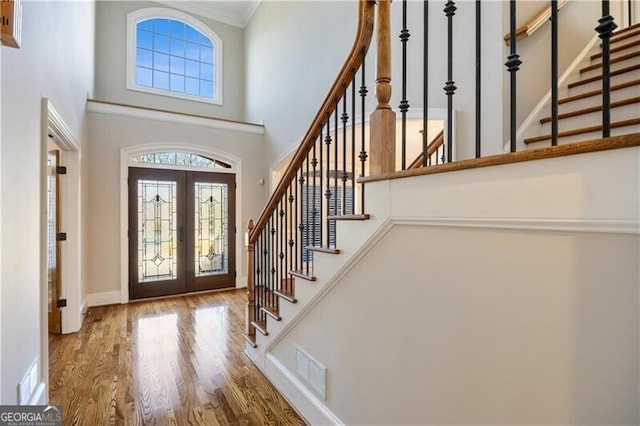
x: 176, y: 361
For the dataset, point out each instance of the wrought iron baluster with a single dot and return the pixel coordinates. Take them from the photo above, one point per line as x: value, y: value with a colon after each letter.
x: 308, y: 227
x: 327, y: 192
x: 363, y: 152
x: 320, y: 211
x: 281, y: 249
x: 353, y: 143
x: 513, y: 65
x: 450, y: 85
x: 425, y: 85
x: 478, y: 78
x: 302, y: 224
x: 335, y: 171
x: 404, y: 103
x: 344, y: 118
x: 554, y: 72
x: 605, y: 28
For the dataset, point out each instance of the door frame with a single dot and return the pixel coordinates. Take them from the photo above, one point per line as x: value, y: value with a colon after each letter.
x: 53, y: 124
x: 125, y: 161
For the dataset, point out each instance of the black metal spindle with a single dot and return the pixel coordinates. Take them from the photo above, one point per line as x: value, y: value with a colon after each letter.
x: 274, y: 257
x: 404, y: 103
x: 344, y: 117
x: 320, y: 225
x: 478, y: 78
x: 513, y: 65
x: 554, y: 72
x: 327, y: 193
x: 450, y: 86
x: 281, y: 249
x: 353, y: 142
x: 425, y: 84
x: 302, y: 223
x: 291, y: 226
x: 335, y: 169
x: 307, y: 227
x: 605, y: 28
x: 363, y: 151
x: 314, y: 165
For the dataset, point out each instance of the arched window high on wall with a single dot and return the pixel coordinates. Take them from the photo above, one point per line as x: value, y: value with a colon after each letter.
x: 173, y: 54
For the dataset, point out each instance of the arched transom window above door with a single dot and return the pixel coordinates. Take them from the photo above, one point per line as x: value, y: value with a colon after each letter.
x: 177, y: 158
x: 173, y: 54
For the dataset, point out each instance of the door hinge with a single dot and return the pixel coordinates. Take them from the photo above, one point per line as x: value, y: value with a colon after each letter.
x: 61, y: 170
x: 61, y: 303
x: 61, y: 236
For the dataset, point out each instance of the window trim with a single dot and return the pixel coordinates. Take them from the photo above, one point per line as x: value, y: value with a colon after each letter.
x: 137, y: 16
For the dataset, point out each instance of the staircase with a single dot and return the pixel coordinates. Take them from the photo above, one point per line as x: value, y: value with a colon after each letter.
x: 308, y: 241
x: 580, y: 111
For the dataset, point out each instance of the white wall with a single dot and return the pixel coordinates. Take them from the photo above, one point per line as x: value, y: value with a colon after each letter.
x: 108, y: 134
x: 111, y: 25
x: 54, y: 61
x: 293, y: 53
x: 515, y: 300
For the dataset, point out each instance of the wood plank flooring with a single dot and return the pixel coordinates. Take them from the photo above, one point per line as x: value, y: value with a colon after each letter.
x: 177, y: 361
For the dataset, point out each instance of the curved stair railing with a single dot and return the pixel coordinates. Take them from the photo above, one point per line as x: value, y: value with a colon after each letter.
x: 317, y: 188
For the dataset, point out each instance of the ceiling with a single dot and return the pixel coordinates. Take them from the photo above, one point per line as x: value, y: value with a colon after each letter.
x: 235, y: 12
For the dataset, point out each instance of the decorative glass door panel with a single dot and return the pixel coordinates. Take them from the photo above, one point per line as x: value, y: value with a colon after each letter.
x: 181, y: 231
x: 211, y: 223
x: 157, y: 233
x: 211, y: 228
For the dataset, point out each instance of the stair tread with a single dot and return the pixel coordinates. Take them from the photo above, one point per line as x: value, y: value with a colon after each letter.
x: 250, y: 339
x: 301, y: 274
x: 350, y: 217
x: 599, y: 91
x: 272, y: 311
x: 599, y: 77
x: 617, y: 49
x: 321, y: 249
x: 627, y: 29
x: 617, y: 104
x: 261, y: 326
x: 583, y: 130
x: 624, y: 35
x: 612, y: 61
x: 289, y: 296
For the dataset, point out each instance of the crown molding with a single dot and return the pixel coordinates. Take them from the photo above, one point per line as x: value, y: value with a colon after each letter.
x: 199, y: 8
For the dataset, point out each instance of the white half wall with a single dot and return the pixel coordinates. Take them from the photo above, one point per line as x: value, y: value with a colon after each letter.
x: 504, y: 295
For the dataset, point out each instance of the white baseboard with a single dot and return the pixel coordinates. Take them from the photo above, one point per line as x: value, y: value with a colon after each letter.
x: 305, y: 401
x: 100, y: 299
x: 39, y: 396
x: 241, y: 282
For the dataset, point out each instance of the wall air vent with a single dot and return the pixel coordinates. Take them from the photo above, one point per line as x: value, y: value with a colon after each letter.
x: 311, y: 372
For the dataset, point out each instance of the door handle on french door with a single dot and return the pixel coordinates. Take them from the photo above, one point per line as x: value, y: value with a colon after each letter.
x: 181, y: 234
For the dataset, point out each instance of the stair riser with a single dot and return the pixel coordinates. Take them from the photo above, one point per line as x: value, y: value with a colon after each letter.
x: 594, y: 118
x: 586, y: 136
x: 595, y: 85
x: 626, y: 40
x: 626, y: 93
x: 621, y: 52
x: 623, y: 64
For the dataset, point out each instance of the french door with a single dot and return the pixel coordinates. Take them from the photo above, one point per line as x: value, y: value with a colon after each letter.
x: 181, y: 231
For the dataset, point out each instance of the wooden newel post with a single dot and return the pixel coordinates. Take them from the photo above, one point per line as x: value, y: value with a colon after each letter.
x: 383, y: 120
x: 250, y: 315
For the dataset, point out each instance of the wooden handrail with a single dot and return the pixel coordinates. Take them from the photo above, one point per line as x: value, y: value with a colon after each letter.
x: 366, y: 9
x: 534, y: 23
x: 436, y: 143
